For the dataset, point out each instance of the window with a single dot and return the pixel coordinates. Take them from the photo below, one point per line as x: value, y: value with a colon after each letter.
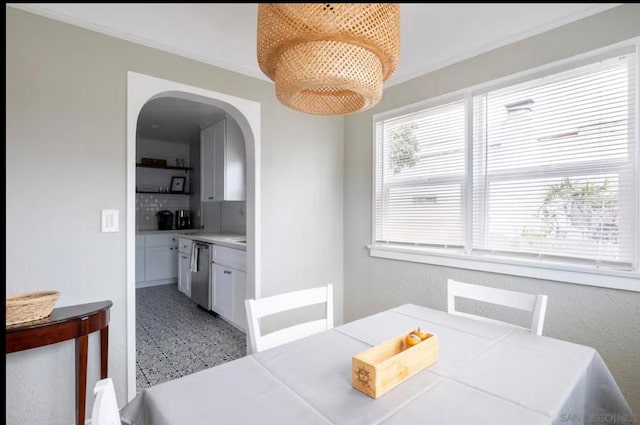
x: 421, y: 177
x: 542, y: 170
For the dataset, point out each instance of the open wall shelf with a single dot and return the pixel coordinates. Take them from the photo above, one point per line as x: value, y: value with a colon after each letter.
x: 164, y: 167
x: 164, y: 193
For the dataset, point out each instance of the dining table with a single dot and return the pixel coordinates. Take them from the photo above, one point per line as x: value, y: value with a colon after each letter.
x: 486, y: 373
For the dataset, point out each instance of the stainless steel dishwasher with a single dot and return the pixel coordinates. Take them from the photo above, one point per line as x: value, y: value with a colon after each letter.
x: 200, y: 287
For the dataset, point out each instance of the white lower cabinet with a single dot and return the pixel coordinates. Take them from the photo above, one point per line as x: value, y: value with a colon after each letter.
x: 160, y: 262
x: 229, y: 286
x: 139, y: 264
x: 156, y: 259
x: 140, y: 247
x: 184, y: 274
x: 222, y: 302
x: 238, y: 313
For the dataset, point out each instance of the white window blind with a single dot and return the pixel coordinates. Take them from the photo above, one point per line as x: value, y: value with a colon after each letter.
x: 551, y: 175
x: 553, y: 170
x: 420, y: 171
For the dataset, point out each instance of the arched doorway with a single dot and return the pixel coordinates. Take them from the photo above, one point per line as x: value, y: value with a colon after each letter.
x: 140, y: 90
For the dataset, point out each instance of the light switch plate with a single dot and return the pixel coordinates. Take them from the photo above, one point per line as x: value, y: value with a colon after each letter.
x: 110, y: 220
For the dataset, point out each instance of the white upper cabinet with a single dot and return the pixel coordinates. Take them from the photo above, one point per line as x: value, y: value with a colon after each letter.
x: 207, y: 180
x: 222, y: 156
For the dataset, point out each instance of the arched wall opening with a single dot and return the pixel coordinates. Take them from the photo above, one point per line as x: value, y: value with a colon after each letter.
x: 142, y: 89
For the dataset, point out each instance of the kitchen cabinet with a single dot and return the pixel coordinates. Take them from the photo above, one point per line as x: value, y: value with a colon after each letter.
x: 223, y: 162
x: 222, y: 302
x: 139, y: 265
x: 238, y: 311
x: 140, y: 247
x: 229, y: 292
x: 229, y: 285
x: 184, y: 274
x: 156, y: 259
x: 160, y: 262
x: 184, y: 266
x: 207, y: 168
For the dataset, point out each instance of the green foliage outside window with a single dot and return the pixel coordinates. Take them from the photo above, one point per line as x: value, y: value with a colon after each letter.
x: 587, y: 207
x: 404, y: 147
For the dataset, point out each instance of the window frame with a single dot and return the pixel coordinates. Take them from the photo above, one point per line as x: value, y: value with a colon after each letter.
x: 506, y: 264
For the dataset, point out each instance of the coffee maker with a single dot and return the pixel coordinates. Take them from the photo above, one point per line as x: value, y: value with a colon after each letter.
x: 165, y: 220
x: 183, y: 219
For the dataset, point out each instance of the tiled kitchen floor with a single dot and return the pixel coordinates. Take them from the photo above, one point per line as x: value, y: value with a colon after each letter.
x: 175, y: 338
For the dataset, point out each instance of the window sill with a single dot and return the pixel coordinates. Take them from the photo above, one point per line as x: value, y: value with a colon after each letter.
x: 613, y: 279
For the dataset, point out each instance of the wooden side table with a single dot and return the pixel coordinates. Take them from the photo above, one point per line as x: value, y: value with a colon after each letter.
x: 65, y: 323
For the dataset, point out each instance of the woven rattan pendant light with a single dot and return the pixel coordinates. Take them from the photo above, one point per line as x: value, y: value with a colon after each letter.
x: 328, y: 58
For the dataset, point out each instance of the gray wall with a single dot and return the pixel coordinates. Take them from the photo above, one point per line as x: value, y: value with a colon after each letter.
x: 608, y: 320
x: 65, y: 146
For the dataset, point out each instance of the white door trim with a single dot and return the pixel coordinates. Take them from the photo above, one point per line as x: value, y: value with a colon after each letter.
x: 141, y: 89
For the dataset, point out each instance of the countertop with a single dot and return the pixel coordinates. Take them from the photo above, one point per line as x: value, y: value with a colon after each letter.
x: 229, y: 240
x: 159, y: 232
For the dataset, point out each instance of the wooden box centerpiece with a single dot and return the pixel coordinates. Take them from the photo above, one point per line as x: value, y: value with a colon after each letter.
x: 380, y: 368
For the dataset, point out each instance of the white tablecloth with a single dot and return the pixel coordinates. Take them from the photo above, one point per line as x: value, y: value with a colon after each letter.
x: 486, y: 374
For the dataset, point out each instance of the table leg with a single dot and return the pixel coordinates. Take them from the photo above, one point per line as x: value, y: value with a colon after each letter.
x: 104, y: 351
x: 82, y: 346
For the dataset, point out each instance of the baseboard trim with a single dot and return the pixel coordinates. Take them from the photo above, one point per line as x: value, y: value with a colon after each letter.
x: 150, y: 283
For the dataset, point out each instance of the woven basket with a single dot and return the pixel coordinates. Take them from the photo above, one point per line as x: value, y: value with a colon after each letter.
x: 30, y: 306
x: 328, y: 58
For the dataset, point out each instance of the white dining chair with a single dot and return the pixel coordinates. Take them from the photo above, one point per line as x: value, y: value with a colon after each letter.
x: 257, y: 309
x: 105, y: 406
x: 536, y: 304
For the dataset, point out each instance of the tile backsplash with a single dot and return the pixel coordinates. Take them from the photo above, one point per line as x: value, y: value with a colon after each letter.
x: 148, y: 205
x: 217, y: 216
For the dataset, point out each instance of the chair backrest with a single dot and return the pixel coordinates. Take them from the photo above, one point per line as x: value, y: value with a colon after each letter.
x: 256, y: 309
x: 105, y: 406
x: 536, y: 304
